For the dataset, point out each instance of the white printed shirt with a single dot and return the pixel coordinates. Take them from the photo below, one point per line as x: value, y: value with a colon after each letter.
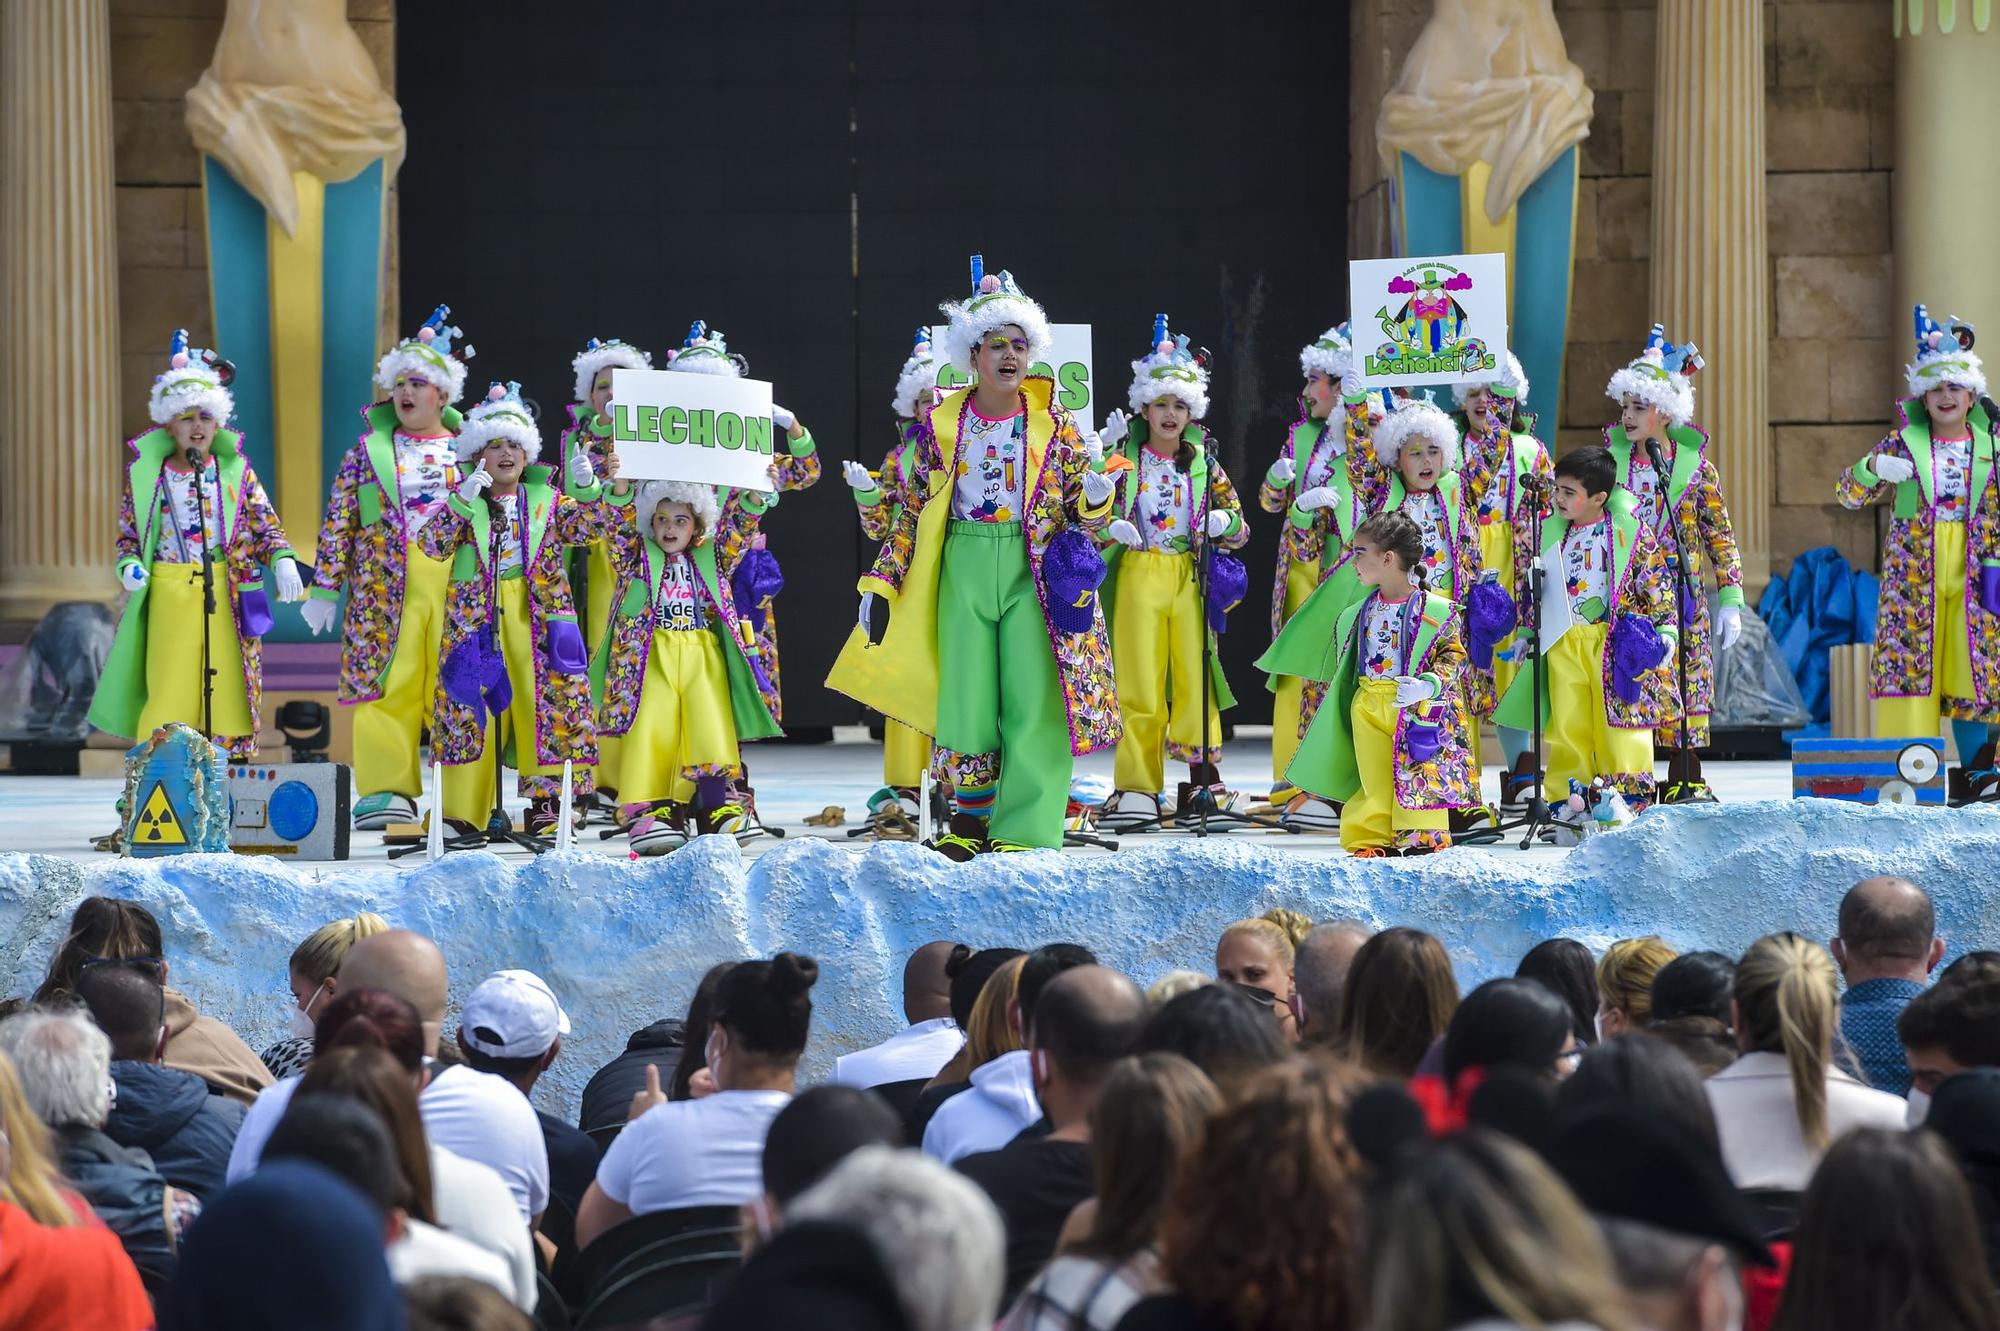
x: 424, y: 473
x: 187, y: 514
x: 1426, y: 509
x: 508, y: 534
x: 1587, y: 570
x: 1951, y: 466
x: 1382, y: 638
x: 992, y: 469
x: 1165, y: 507
x: 1650, y: 498
x: 679, y: 605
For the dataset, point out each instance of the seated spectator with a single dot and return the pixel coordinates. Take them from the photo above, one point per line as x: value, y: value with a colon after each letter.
x: 1648, y: 1076
x: 57, y: 1276
x: 816, y: 1131
x: 1973, y: 965
x: 1260, y: 954
x: 608, y: 1093
x: 105, y: 930
x: 1965, y: 1113
x: 1001, y: 1101
x: 314, y: 975
x: 1476, y: 1231
x: 1948, y: 1028
x: 512, y: 1028
x: 899, y: 1066
x: 1692, y: 1004
x: 1148, y: 1117
x: 1085, y: 1021
x: 1510, y: 1023
x: 1235, y: 1261
x: 1219, y: 1030
x: 64, y: 1063
x: 452, y: 1303
x: 1566, y: 967
x: 1625, y: 984
x: 709, y: 1152
x: 167, y: 1113
x: 1319, y: 972
x: 29, y: 1178
x: 1887, y: 948
x: 989, y: 1033
x: 1172, y: 985
x: 1887, y: 1238
x: 1780, y: 1104
x: 291, y: 1247
x: 1399, y: 999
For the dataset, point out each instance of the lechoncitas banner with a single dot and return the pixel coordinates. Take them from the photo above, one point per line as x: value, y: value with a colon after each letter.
x: 668, y: 425
x: 1440, y: 320
x: 1068, y: 364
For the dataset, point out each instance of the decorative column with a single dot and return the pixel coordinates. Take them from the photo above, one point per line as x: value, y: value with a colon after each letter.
x: 60, y: 458
x: 1711, y: 271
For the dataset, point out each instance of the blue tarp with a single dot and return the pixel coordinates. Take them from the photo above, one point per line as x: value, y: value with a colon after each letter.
x: 1821, y: 604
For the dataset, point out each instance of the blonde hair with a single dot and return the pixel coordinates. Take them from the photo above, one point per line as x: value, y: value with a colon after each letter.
x: 1172, y: 985
x: 1625, y: 975
x: 990, y: 1033
x: 1283, y: 930
x: 32, y: 1182
x: 318, y: 958
x: 1788, y: 1004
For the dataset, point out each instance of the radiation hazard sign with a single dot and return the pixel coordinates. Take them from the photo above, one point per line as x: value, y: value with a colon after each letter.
x: 157, y: 823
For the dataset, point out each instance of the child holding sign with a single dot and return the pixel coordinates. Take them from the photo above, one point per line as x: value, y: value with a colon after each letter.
x: 678, y: 677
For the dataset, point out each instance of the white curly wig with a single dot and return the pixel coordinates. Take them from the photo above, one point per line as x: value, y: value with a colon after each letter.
x: 598, y: 355
x: 995, y: 302
x: 1649, y: 380
x: 700, y: 498
x: 918, y: 373
x: 1330, y: 353
x: 428, y: 356
x: 1512, y: 382
x: 193, y: 387
x: 499, y: 415
x: 1169, y: 370
x: 1415, y: 417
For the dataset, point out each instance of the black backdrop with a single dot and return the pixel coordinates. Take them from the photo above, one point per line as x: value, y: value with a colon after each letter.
x: 810, y: 175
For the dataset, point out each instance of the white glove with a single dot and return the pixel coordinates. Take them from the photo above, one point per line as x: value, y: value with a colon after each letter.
x: 469, y: 489
x: 290, y: 586
x: 1115, y: 426
x: 1282, y: 473
x: 318, y: 614
x: 1097, y: 487
x: 1320, y: 496
x: 1410, y: 690
x: 781, y: 417
x: 133, y: 577
x: 1093, y: 447
x: 1892, y: 469
x: 867, y: 608
x: 1123, y: 532
x: 856, y: 475
x: 579, y: 471
x: 1218, y: 522
x: 1728, y: 627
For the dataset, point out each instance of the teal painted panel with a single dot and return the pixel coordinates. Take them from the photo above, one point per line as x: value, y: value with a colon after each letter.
x: 1432, y: 223
x: 351, y: 297
x: 239, y: 280
x: 1544, y: 232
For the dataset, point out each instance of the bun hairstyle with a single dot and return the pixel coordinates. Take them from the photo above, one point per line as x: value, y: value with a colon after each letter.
x: 968, y: 972
x: 765, y: 1007
x: 372, y: 1019
x: 1399, y: 535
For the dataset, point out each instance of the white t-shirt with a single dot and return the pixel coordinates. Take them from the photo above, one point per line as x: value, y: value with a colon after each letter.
x: 1951, y: 475
x: 259, y: 1122
x: 426, y: 1250
x: 424, y: 471
x: 992, y: 467
x: 1587, y: 570
x: 680, y: 600
x: 486, y: 1119
x: 473, y: 1203
x: 1165, y: 507
x: 913, y: 1052
x: 707, y: 1152
x: 508, y: 533
x: 1382, y: 643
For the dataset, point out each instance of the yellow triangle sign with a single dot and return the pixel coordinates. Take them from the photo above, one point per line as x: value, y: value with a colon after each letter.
x: 158, y: 824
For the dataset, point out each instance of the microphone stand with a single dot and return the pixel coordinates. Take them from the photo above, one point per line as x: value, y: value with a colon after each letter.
x: 1535, y: 817
x: 194, y: 460
x: 1684, y: 588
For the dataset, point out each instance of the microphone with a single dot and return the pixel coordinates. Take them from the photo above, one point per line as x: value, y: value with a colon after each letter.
x: 1992, y: 412
x: 1653, y: 454
x: 192, y: 456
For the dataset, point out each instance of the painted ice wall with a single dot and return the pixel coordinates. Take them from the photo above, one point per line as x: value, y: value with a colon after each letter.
x: 623, y: 943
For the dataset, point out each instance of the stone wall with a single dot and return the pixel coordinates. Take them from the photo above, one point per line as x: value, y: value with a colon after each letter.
x: 158, y: 49
x: 1829, y: 132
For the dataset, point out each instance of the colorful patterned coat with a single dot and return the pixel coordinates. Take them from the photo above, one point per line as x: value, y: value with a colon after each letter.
x: 740, y: 530
x: 892, y: 485
x: 251, y: 538
x: 363, y: 546
x: 1701, y: 521
x: 1325, y: 762
x: 1906, y: 613
x: 464, y: 534
x: 899, y: 676
x: 1518, y: 466
x: 1308, y: 542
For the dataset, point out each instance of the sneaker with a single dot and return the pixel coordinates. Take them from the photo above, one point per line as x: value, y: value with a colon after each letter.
x: 723, y: 820
x: 1375, y: 853
x: 1311, y: 813
x: 1126, y: 809
x: 542, y: 817
x: 962, y: 839
x: 649, y: 834
x: 1009, y: 847
x: 1686, y: 792
x: 1190, y: 799
x: 1423, y: 843
x: 374, y: 812
x: 1517, y: 783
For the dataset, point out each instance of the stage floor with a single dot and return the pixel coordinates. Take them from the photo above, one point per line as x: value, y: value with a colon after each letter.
x: 59, y: 815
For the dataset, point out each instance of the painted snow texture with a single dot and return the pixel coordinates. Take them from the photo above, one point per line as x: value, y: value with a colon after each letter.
x: 623, y: 942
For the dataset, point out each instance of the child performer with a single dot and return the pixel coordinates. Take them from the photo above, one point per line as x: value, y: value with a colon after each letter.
x: 996, y: 636
x: 191, y: 497
x: 512, y: 645
x: 1393, y: 740
x: 1937, y: 634
x: 1685, y: 511
x: 390, y: 486
x: 1607, y: 671
x: 678, y: 674
x: 881, y: 497
x: 1175, y: 487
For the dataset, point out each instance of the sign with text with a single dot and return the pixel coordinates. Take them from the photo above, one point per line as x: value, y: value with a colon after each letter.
x: 1440, y: 320
x: 1068, y: 364
x: 670, y: 425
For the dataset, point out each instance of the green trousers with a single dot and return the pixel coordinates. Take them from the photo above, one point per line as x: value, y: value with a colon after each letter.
x: 997, y: 683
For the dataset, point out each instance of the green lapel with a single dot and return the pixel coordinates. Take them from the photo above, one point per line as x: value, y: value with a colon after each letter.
x: 381, y: 446
x: 1624, y: 539
x: 1916, y: 437
x: 1688, y: 444
x: 746, y: 702
x: 1448, y: 490
x: 153, y: 447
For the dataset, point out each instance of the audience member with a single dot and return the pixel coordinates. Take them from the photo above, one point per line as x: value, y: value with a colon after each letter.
x: 453, y: 1303
x: 1150, y: 1114
x: 1887, y: 1238
x: 1946, y: 1029
x: 169, y: 1114
x: 989, y: 1033
x: 1625, y: 984
x: 1692, y: 998
x: 899, y: 1067
x: 1510, y: 1023
x: 1219, y: 1030
x: 1965, y: 1113
x: 1972, y: 965
x: 1260, y: 955
x: 710, y: 1151
x: 1887, y: 948
x: 1399, y: 999
x: 1566, y: 967
x: 1085, y: 1021
x: 1780, y: 1104
x: 1173, y: 984
x: 55, y: 1277
x: 512, y: 1028
x: 29, y: 1178
x: 1646, y: 1075
x: 608, y: 1094
x: 692, y: 1076
x: 1319, y: 973
x: 105, y: 931
x: 314, y: 975
x: 64, y: 1063
x: 816, y: 1131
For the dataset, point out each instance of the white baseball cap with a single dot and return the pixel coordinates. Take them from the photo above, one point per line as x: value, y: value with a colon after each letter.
x: 512, y: 1014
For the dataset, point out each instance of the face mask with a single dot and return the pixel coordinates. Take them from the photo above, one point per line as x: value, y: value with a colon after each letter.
x: 301, y: 1017
x: 1919, y: 1110
x: 710, y: 1051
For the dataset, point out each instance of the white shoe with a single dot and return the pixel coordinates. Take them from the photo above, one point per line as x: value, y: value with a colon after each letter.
x: 1126, y: 809
x: 1311, y: 813
x: 650, y: 834
x: 374, y: 812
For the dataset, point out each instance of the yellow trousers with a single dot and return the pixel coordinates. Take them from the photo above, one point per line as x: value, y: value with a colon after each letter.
x: 683, y: 719
x: 388, y: 730
x: 1496, y: 552
x: 1156, y: 638
x: 1951, y: 652
x: 599, y: 583
x: 1300, y: 579
x: 1373, y: 818
x: 905, y: 754
x: 173, y: 654
x: 1582, y: 742
x: 468, y: 787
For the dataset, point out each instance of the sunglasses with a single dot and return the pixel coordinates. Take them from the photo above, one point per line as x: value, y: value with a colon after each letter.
x: 1260, y: 996
x: 134, y: 963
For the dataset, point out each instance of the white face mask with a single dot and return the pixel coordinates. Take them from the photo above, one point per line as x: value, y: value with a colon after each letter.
x: 302, y: 1025
x: 1919, y: 1110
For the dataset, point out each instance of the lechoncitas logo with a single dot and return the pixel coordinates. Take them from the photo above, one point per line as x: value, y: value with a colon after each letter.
x: 1427, y: 333
x: 699, y: 427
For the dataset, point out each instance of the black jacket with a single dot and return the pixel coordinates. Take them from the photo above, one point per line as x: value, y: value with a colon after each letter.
x: 610, y: 1090
x: 173, y: 1117
x: 128, y: 1195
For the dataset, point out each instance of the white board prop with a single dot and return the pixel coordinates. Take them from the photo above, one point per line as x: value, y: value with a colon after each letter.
x: 1441, y: 320
x: 1068, y: 364
x: 670, y: 425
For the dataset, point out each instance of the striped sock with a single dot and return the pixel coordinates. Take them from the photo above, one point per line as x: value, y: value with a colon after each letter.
x: 975, y: 801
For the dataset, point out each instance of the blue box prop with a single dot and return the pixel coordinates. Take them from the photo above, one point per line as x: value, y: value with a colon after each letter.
x: 1908, y: 772
x: 298, y: 810
x: 176, y: 798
